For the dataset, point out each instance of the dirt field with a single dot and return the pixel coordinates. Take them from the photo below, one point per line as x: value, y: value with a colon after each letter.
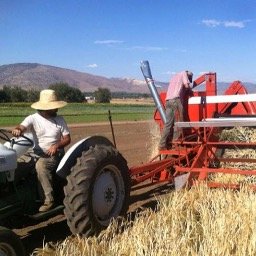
x: 133, y: 139
x: 136, y: 141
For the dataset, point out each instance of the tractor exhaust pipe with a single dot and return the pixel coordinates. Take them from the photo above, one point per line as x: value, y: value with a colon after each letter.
x: 145, y: 68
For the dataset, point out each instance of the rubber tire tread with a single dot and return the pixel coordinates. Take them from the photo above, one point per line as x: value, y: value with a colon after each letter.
x: 9, y: 237
x: 80, y: 181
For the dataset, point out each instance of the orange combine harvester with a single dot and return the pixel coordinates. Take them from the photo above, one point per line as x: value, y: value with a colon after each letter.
x: 199, y: 151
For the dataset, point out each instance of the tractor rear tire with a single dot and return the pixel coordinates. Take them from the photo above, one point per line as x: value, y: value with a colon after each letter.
x: 10, y: 244
x: 97, y: 190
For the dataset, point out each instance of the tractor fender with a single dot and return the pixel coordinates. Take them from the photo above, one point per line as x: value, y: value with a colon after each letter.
x: 69, y: 159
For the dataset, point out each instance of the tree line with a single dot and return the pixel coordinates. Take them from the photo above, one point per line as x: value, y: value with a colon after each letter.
x: 63, y: 91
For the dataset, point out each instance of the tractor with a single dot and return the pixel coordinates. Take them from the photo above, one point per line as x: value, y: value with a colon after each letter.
x: 94, y: 176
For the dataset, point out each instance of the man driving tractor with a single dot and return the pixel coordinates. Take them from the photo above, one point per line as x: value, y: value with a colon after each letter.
x: 51, y: 135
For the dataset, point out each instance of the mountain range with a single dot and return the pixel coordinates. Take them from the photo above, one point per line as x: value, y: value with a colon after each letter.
x: 34, y: 75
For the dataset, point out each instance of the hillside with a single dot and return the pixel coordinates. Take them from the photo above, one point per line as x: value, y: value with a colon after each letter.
x: 27, y: 75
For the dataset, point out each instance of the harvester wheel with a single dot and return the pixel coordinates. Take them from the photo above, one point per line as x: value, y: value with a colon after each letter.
x: 10, y: 243
x: 98, y: 189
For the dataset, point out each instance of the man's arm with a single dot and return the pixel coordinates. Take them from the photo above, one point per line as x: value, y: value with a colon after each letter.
x: 65, y: 140
x: 186, y: 82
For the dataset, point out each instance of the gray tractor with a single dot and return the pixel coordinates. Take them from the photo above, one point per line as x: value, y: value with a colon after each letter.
x: 92, y: 185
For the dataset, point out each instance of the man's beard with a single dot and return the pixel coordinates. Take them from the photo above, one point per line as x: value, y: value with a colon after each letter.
x: 52, y: 114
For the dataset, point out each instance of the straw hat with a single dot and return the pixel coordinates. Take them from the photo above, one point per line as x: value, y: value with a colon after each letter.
x: 48, y: 100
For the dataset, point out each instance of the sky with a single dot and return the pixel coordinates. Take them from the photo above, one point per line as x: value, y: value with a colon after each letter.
x: 110, y: 38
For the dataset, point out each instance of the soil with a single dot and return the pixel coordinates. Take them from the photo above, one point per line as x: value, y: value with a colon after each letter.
x: 136, y: 141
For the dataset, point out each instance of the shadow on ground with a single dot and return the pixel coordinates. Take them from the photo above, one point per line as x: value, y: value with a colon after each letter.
x: 56, y: 230
x: 147, y: 196
x: 53, y: 230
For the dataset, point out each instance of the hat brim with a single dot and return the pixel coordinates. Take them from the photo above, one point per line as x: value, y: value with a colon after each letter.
x: 48, y: 105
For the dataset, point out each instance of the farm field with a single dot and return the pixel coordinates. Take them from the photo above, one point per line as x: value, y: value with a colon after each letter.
x: 199, y: 221
x: 121, y: 110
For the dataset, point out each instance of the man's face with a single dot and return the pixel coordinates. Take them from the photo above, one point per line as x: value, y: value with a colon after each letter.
x: 51, y: 112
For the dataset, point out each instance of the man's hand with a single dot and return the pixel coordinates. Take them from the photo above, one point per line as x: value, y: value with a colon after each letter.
x: 52, y: 150
x: 19, y: 130
x: 16, y: 132
x: 65, y: 140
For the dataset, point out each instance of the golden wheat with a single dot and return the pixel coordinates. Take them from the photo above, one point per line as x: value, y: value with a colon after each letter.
x: 242, y: 134
x: 199, y: 221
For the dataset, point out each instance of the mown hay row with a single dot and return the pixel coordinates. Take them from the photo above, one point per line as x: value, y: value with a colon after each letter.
x: 239, y: 134
x: 199, y: 221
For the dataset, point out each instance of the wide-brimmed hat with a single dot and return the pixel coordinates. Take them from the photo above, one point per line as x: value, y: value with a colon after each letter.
x: 48, y: 100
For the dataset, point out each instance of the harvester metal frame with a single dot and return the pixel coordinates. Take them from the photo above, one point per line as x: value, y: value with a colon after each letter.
x: 195, y: 154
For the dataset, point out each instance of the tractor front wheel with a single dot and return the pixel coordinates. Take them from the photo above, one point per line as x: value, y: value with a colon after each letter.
x: 97, y: 190
x: 10, y: 243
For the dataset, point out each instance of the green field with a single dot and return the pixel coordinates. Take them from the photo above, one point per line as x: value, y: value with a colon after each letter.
x: 13, y: 113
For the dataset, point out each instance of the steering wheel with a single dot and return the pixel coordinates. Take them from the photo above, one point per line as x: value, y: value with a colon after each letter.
x: 5, y: 135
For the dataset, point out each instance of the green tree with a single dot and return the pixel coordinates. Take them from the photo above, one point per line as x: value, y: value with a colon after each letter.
x: 33, y: 95
x: 15, y: 94
x: 4, y: 97
x: 102, y: 95
x: 67, y: 93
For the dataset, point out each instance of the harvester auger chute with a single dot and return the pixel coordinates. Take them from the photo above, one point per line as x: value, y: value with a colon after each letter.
x: 198, y: 154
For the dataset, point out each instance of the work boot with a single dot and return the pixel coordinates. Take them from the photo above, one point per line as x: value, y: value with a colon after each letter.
x: 46, y: 206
